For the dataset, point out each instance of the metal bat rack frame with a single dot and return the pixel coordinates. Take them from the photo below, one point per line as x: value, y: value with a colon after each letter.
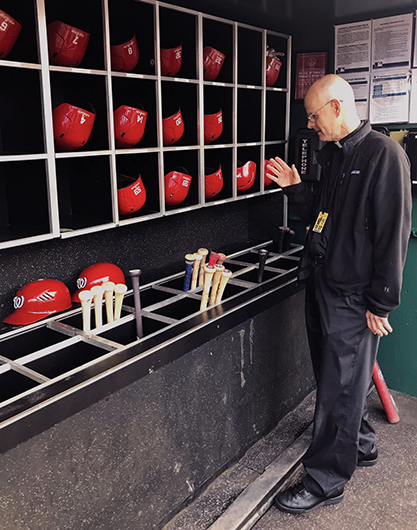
x: 44, y: 364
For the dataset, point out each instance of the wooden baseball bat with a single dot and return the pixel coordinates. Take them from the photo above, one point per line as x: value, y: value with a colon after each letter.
x: 98, y: 291
x: 196, y: 270
x: 384, y: 394
x: 222, y: 258
x: 226, y: 275
x: 85, y: 299
x: 209, y: 271
x: 216, y: 281
x: 134, y: 274
x: 203, y: 252
x: 262, y: 257
x: 119, y: 290
x: 108, y: 297
x: 189, y: 261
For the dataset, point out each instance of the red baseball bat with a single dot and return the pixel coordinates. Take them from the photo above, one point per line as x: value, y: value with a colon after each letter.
x: 387, y: 400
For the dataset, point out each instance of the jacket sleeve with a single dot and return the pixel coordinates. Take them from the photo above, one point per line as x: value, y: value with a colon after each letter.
x: 391, y: 202
x: 301, y: 200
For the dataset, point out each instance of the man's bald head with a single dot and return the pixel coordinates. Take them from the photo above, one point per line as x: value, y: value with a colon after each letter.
x: 334, y: 97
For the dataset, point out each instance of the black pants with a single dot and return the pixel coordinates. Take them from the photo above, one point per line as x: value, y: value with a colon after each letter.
x: 343, y: 352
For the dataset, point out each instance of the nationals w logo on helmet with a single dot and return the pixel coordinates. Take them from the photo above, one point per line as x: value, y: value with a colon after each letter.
x: 18, y: 302
x: 81, y: 282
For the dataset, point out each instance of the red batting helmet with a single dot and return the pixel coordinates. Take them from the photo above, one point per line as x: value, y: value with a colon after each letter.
x: 213, y: 126
x: 212, y: 63
x: 245, y: 175
x: 213, y: 182
x: 177, y: 184
x: 172, y: 128
x: 273, y: 67
x: 125, y: 56
x: 131, y: 195
x: 267, y: 180
x: 72, y: 126
x: 67, y: 44
x: 97, y: 274
x: 9, y: 31
x: 171, y: 60
x: 37, y: 300
x: 129, y: 125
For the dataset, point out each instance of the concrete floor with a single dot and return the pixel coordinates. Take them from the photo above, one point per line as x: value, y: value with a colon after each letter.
x: 380, y: 497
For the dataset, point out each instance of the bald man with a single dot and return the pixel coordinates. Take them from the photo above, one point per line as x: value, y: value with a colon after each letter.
x: 354, y: 254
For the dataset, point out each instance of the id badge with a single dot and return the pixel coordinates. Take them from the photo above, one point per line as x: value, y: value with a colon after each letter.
x: 320, y: 222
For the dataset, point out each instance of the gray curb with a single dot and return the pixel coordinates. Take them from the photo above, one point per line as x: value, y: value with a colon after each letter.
x: 255, y: 500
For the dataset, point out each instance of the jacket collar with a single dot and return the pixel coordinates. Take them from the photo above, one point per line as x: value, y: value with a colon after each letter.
x: 348, y: 143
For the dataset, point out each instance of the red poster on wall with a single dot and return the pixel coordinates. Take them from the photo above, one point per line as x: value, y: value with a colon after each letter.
x: 310, y: 67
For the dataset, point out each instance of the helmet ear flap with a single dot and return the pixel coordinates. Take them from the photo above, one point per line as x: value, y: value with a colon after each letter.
x: 125, y: 56
x: 213, y: 182
x: 67, y: 44
x: 72, y: 126
x: 213, y: 126
x: 172, y: 128
x: 132, y: 197
x: 246, y: 174
x: 177, y: 185
x: 129, y: 125
x: 212, y: 63
x: 10, y: 30
x: 171, y: 60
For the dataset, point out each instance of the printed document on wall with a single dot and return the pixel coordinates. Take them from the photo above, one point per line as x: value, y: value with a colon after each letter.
x: 415, y: 48
x: 413, y: 98
x: 391, y: 41
x: 390, y: 95
x: 353, y: 47
x: 360, y: 85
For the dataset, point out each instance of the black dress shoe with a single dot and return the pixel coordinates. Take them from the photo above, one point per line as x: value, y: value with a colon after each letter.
x: 368, y: 460
x: 298, y: 500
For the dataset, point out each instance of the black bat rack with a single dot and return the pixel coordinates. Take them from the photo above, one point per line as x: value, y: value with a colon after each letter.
x: 52, y: 369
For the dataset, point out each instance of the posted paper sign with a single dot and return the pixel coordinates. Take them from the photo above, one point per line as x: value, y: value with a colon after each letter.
x: 353, y: 47
x: 390, y: 91
x: 310, y: 67
x: 360, y: 86
x: 391, y: 41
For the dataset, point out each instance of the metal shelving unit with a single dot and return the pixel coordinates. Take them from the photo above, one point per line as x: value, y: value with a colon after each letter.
x: 61, y: 178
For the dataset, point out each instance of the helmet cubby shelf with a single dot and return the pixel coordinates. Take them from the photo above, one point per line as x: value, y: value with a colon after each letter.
x: 80, y: 80
x: 44, y: 362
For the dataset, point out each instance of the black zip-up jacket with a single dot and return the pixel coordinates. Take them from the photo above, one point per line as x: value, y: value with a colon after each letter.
x: 371, y: 221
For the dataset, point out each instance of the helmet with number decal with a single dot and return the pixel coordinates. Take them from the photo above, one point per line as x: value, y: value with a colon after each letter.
x: 9, y: 31
x: 172, y: 128
x: 213, y: 182
x: 131, y: 194
x: 245, y: 175
x: 67, y: 44
x: 129, y: 125
x: 213, y: 126
x: 97, y: 274
x: 37, y: 300
x: 72, y: 126
x: 273, y: 67
x: 267, y: 180
x: 171, y: 60
x: 212, y: 63
x: 177, y: 184
x: 125, y: 56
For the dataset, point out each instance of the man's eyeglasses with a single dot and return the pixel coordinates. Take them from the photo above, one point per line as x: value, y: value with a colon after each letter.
x: 313, y: 115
